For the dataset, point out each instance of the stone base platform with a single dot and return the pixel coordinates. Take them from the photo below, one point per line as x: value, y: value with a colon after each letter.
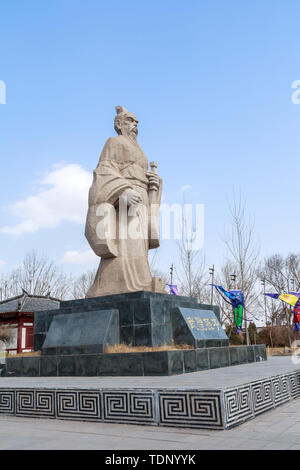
x: 131, y: 364
x: 211, y: 399
x: 143, y: 319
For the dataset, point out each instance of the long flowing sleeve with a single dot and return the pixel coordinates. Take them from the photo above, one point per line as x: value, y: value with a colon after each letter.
x: 108, y: 185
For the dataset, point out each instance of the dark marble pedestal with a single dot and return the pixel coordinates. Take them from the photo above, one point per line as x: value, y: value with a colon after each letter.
x: 158, y: 363
x: 73, y: 338
x: 145, y: 318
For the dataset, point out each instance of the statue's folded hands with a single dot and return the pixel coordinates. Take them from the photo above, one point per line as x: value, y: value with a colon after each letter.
x: 132, y: 196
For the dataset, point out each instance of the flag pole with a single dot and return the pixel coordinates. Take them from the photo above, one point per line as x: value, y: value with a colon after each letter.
x: 171, y: 273
x: 212, y: 274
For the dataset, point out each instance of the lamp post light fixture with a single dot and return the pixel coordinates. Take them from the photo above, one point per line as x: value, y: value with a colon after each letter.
x: 293, y: 284
x: 233, y: 279
x: 212, y: 274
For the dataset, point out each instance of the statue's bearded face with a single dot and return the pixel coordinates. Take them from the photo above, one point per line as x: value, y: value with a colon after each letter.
x: 128, y: 126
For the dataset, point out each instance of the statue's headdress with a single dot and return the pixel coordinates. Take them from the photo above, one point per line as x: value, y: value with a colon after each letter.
x: 122, y: 112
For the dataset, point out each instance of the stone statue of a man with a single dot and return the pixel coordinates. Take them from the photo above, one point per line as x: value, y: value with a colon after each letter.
x: 123, y: 217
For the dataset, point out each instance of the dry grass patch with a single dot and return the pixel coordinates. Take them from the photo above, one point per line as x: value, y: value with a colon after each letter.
x: 279, y: 351
x: 127, y: 348
x: 25, y: 354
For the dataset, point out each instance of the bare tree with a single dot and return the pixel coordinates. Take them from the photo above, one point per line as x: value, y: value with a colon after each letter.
x: 192, y: 272
x: 37, y: 276
x: 273, y: 272
x: 83, y: 283
x: 282, y: 275
x: 293, y: 269
x: 276, y: 271
x: 156, y: 272
x: 243, y: 255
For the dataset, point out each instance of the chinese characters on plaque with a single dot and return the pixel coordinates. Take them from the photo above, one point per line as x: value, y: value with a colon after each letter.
x: 203, y: 324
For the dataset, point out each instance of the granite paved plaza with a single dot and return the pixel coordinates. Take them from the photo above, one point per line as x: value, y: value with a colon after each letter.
x: 213, y: 399
x: 279, y: 429
x: 214, y: 378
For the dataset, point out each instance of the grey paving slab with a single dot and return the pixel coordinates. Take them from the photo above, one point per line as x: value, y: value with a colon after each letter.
x: 295, y: 447
x: 212, y: 399
x: 216, y: 378
x: 277, y: 446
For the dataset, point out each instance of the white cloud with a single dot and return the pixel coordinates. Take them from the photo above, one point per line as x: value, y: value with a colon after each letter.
x: 2, y: 262
x: 79, y: 257
x: 185, y: 187
x: 61, y: 196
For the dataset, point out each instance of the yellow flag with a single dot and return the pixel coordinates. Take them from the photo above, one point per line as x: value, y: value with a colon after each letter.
x: 289, y: 299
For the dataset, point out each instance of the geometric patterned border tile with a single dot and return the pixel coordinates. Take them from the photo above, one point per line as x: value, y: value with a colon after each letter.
x: 238, y: 405
x: 35, y: 403
x: 129, y: 406
x: 192, y: 409
x: 262, y: 396
x: 7, y: 401
x: 294, y: 384
x: 280, y: 389
x: 78, y: 404
x: 203, y: 409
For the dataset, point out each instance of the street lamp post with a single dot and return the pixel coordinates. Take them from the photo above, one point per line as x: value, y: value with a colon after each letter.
x: 212, y: 274
x: 268, y: 330
x: 263, y: 282
x: 171, y: 273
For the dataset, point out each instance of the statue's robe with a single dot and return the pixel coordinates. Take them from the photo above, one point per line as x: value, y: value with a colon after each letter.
x: 124, y: 265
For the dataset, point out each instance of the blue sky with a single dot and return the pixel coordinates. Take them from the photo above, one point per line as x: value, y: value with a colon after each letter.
x: 210, y: 82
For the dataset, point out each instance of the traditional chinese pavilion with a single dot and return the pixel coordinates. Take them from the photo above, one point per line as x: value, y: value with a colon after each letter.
x: 18, y: 313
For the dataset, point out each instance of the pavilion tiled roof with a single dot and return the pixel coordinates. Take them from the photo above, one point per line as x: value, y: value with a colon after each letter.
x: 29, y: 303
